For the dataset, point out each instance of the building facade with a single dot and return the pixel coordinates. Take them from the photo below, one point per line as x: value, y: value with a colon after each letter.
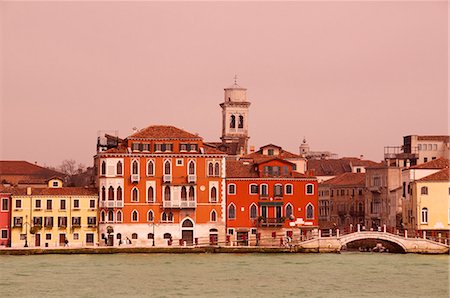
x: 5, y: 217
x: 161, y: 186
x: 55, y: 216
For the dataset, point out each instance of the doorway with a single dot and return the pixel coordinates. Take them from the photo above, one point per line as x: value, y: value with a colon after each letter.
x: 62, y: 239
x: 187, y: 231
x: 37, y: 240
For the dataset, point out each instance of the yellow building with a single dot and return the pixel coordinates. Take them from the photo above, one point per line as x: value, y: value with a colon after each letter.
x: 55, y: 216
x: 431, y: 205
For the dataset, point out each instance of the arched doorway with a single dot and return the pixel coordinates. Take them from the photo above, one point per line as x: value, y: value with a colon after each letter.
x: 187, y: 231
x: 213, y: 237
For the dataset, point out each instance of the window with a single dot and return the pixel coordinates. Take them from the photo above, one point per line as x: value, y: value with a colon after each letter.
x: 264, y: 190
x: 48, y: 236
x: 232, y: 212
x: 289, y: 211
x: 150, y: 236
x: 309, y: 211
x: 103, y: 168
x: 191, y: 193
x: 270, y: 152
x: 179, y: 161
x: 213, y: 197
x: 62, y: 221
x: 424, y: 215
x: 134, y: 236
x: 278, y: 190
x: 288, y: 189
x: 213, y: 217
x: 233, y: 121
x: 92, y: 221
x: 76, y: 236
x: 216, y: 169
x: 167, y: 169
x: 167, y: 193
x: 49, y: 204
x: 103, y: 195
x: 37, y: 204
x: 146, y: 147
x: 167, y: 217
x: 191, y: 168
x: 102, y: 216
x: 253, y: 189
x: 89, y: 238
x: 309, y: 189
x: 92, y: 204
x: 55, y: 183
x: 210, y: 169
x: 167, y: 236
x: 5, y: 203
x: 150, y: 216
x: 119, y: 168
x: 37, y: 221
x: 150, y: 195
x: 230, y: 232
x: 135, y: 167
x: 241, y: 121
x: 135, y: 195
x: 253, y: 211
x: 135, y: 146
x: 119, y: 193
x: 424, y: 190
x: 18, y: 221
x: 150, y: 168
x: 110, y: 216
x: 76, y: 204
x: 425, y: 159
x: 134, y: 216
x: 232, y: 189
x: 18, y: 204
x: 76, y: 221
x: 183, y: 193
x: 119, y: 216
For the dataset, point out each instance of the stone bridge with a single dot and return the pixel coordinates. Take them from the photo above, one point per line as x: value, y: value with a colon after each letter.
x: 408, y: 245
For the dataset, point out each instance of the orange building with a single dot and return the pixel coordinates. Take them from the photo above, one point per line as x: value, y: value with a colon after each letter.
x: 268, y: 201
x: 161, y: 186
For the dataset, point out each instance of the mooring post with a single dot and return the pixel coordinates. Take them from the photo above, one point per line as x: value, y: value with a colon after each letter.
x: 384, y: 228
x: 320, y: 233
x: 337, y: 233
x: 406, y: 233
x: 359, y: 228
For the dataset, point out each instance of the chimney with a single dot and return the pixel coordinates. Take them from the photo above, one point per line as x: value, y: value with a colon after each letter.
x: 252, y: 149
x: 28, y: 191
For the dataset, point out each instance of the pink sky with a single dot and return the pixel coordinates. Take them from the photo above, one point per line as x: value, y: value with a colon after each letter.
x: 352, y: 77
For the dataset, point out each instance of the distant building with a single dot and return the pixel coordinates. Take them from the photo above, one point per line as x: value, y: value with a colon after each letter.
x: 47, y: 217
x: 24, y: 174
x: 5, y: 216
x: 308, y: 154
x: 416, y: 150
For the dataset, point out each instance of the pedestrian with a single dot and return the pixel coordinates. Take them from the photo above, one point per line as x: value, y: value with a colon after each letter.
x: 66, y: 242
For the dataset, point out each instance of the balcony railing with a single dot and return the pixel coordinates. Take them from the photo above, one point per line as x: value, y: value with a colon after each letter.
x: 119, y: 204
x: 134, y: 178
x: 167, y: 178
x: 192, y: 178
x: 271, y: 222
x: 264, y: 197
x: 179, y: 204
x: 102, y: 204
x: 110, y: 204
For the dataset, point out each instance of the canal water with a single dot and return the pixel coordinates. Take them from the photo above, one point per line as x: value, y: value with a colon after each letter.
x: 225, y: 275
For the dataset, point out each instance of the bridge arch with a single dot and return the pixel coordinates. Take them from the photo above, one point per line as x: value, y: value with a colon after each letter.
x: 396, y: 241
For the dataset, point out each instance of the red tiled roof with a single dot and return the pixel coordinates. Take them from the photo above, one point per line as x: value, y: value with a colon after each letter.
x: 163, y: 132
x: 211, y: 150
x: 439, y: 163
x: 442, y: 175
x: 237, y: 169
x: 334, y: 167
x: 21, y: 167
x: 348, y: 179
x: 433, y: 138
x: 64, y: 191
x: 119, y: 149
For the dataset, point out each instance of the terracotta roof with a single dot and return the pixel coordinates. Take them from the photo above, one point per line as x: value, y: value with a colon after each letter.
x: 259, y: 157
x: 64, y: 191
x: 439, y: 163
x: 237, y: 169
x: 334, y: 167
x: 348, y: 179
x: 21, y: 167
x: 163, y: 132
x: 442, y: 175
x: 119, y: 149
x: 211, y: 150
x: 269, y: 145
x: 433, y: 138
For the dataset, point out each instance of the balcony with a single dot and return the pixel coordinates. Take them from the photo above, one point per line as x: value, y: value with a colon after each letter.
x: 167, y: 178
x: 192, y: 178
x: 179, y: 204
x: 374, y: 189
x: 119, y: 204
x: 264, y: 197
x: 271, y: 222
x: 102, y: 204
x: 110, y: 204
x: 278, y: 197
x: 135, y: 178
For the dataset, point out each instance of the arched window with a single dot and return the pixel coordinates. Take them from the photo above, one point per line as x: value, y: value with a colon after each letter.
x: 183, y: 193
x: 119, y: 236
x: 167, y: 167
x: 150, y: 197
x: 191, y: 193
x: 103, y: 168
x: 111, y: 193
x: 164, y: 216
x: 289, y: 211
x: 210, y: 169
x: 187, y: 224
x: 167, y: 236
x: 135, y: 195
x: 360, y: 207
x: 424, y: 215
x: 191, y: 168
x: 119, y: 168
x: 150, y: 216
x: 134, y: 216
x: 150, y: 168
x: 102, y: 216
x: 288, y: 189
x: 213, y: 216
x: 119, y: 216
x: 241, y: 121
x: 134, y: 236
x: 424, y: 190
x: 253, y: 211
x: 213, y: 194
x: 119, y: 193
x: 216, y: 169
x: 309, y: 211
x: 150, y: 236
x: 233, y: 121
x: 110, y: 216
x: 231, y: 211
x: 103, y: 193
x: 135, y: 167
x: 167, y: 193
x: 231, y: 189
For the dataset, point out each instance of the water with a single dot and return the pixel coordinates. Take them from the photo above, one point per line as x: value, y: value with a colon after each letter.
x: 225, y: 275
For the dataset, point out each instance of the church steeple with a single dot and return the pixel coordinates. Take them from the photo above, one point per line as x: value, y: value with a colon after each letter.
x: 235, y: 110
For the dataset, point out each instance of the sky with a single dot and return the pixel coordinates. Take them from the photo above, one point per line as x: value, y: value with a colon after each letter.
x: 351, y: 77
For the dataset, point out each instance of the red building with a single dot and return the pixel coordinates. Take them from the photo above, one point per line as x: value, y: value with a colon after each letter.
x: 5, y: 217
x: 268, y: 201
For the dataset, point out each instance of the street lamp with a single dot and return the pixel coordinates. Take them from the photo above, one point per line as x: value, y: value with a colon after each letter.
x: 26, y: 231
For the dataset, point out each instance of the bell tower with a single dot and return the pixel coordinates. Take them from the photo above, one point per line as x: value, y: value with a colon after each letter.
x: 235, y: 117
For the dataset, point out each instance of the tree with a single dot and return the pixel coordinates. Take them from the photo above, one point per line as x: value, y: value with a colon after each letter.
x: 68, y: 167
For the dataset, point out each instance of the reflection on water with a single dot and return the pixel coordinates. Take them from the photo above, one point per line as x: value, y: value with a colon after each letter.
x: 225, y: 275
